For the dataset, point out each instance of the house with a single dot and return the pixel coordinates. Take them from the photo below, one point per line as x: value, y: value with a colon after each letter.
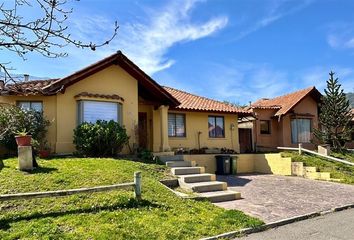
x: 283, y: 121
x: 350, y: 145
x: 157, y: 118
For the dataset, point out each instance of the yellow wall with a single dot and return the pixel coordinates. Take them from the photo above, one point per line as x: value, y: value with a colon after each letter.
x: 271, y: 163
x: 198, y: 121
x: 49, y: 111
x: 111, y: 80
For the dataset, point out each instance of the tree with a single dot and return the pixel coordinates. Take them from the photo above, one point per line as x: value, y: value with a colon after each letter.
x: 46, y: 34
x: 335, y: 116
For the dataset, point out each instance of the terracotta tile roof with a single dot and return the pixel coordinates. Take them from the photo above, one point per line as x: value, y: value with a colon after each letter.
x: 33, y: 87
x: 286, y: 102
x: 94, y: 95
x: 197, y: 103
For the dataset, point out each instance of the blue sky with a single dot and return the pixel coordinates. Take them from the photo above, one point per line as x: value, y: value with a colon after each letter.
x: 235, y: 50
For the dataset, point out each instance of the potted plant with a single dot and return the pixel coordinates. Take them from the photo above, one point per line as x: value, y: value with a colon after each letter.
x: 44, y: 149
x: 22, y: 138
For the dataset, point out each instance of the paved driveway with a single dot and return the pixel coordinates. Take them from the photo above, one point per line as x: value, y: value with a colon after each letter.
x: 272, y: 198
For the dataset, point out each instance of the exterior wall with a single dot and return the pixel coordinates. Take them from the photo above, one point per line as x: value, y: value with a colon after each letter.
x: 281, y: 130
x: 271, y: 163
x: 198, y: 121
x: 111, y: 80
x: 49, y: 111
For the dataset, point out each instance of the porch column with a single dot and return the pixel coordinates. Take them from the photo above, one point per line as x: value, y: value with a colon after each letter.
x: 165, y: 147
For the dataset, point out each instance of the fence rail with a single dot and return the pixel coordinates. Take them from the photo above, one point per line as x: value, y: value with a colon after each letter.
x: 59, y: 193
x: 301, y: 149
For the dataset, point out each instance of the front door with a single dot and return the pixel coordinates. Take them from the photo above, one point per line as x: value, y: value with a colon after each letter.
x: 143, y: 130
x: 245, y: 136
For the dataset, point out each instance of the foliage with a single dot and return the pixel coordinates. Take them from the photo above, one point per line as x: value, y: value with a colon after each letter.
x: 15, y: 120
x: 45, y: 33
x: 146, y: 156
x: 100, y: 139
x: 338, y: 170
x: 335, y: 116
x: 110, y: 215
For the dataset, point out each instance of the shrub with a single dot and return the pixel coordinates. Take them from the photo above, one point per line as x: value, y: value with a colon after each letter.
x: 146, y: 156
x: 14, y: 119
x: 100, y: 139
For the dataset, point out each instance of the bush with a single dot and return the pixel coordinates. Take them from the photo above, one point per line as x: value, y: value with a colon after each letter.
x: 100, y: 139
x: 14, y: 119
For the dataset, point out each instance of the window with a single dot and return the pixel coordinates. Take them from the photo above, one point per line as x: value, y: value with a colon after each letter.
x: 31, y: 105
x: 300, y: 130
x: 216, y: 127
x: 265, y: 126
x: 176, y: 125
x: 91, y: 111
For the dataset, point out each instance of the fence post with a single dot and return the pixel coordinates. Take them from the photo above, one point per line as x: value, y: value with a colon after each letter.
x: 137, y: 187
x: 300, y: 148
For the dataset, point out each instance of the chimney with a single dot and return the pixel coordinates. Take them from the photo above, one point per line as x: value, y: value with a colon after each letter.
x: 2, y: 84
x: 26, y: 77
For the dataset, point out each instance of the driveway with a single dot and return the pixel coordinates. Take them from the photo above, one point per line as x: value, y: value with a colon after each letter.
x: 273, y: 198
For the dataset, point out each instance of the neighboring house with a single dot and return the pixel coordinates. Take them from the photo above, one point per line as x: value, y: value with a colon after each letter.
x: 351, y: 144
x: 284, y: 121
x: 157, y: 118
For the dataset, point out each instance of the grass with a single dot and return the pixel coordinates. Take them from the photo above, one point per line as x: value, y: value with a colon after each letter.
x: 338, y: 170
x: 110, y: 215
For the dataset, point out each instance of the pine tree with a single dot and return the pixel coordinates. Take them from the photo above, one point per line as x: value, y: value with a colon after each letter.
x: 335, y: 116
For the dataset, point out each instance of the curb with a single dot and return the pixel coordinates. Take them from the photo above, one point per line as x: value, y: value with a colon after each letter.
x: 246, y: 231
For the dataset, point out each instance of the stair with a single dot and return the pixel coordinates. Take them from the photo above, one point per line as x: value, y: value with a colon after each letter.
x: 187, y: 170
x: 195, y: 179
x: 298, y: 169
x: 205, y: 186
x: 221, y: 196
x: 180, y: 164
x: 171, y: 158
x: 192, y: 178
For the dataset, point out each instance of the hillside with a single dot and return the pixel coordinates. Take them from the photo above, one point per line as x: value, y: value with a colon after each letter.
x: 351, y: 98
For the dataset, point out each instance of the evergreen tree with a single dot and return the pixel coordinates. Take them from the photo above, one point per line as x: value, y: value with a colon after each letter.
x: 335, y: 116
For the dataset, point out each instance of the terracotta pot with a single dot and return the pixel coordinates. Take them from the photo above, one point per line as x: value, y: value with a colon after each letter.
x: 44, y: 153
x: 23, y: 140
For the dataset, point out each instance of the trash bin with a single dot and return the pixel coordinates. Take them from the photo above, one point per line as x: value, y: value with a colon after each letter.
x: 233, y: 160
x: 223, y: 164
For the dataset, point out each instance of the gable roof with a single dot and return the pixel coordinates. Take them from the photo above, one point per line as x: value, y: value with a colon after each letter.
x: 54, y: 86
x: 193, y: 102
x: 283, y: 104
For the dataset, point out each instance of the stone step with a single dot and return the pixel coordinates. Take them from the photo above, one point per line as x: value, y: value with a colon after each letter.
x: 187, y: 170
x: 310, y: 169
x: 221, y: 196
x: 180, y: 164
x: 192, y: 178
x: 171, y: 158
x: 205, y: 186
x: 312, y: 175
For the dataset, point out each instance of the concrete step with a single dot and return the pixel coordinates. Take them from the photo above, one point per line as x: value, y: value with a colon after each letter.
x: 192, y: 178
x: 205, y: 186
x: 310, y: 169
x: 180, y: 164
x: 171, y: 158
x: 187, y: 170
x: 312, y: 175
x: 221, y: 196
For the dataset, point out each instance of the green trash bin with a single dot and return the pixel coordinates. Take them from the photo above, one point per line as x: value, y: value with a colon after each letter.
x: 233, y: 160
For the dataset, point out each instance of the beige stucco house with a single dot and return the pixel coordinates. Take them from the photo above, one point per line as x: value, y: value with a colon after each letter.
x: 157, y: 118
x: 284, y: 121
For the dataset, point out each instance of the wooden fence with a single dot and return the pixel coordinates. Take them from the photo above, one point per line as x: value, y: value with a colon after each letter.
x: 59, y: 193
x: 301, y: 149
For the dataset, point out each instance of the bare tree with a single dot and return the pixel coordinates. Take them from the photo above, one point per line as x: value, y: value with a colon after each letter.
x: 46, y: 34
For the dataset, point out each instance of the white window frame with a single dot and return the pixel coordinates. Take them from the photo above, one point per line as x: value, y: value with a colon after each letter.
x: 18, y: 103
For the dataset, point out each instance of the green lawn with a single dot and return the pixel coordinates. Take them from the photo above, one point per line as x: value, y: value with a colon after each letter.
x: 338, y: 170
x: 113, y: 215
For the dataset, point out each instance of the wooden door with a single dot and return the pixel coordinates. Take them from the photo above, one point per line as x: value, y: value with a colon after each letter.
x: 245, y: 136
x: 143, y: 130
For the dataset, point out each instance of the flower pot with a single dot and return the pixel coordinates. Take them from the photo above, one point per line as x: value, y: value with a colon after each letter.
x: 23, y: 140
x: 44, y: 153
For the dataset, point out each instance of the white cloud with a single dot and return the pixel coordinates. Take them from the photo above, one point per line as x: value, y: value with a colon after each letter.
x: 341, y: 35
x: 276, y: 11
x: 147, y: 43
